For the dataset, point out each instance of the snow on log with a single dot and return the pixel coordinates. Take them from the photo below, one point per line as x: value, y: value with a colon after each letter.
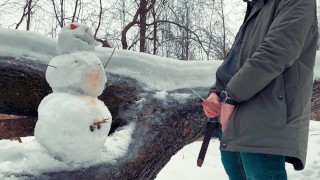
x: 165, y: 121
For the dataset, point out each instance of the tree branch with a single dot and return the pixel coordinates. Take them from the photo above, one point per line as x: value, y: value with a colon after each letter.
x: 75, y: 11
x: 181, y: 26
x: 99, y: 23
x: 23, y: 15
x: 55, y: 12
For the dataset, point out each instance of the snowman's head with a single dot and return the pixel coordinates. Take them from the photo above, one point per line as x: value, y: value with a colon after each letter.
x: 75, y: 37
x: 80, y: 72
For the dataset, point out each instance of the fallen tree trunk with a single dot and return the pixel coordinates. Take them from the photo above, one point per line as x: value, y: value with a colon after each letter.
x: 315, y: 101
x: 162, y: 126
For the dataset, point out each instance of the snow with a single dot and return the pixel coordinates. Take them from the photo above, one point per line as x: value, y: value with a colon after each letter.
x: 73, y: 123
x: 26, y: 45
x: 317, y: 67
x: 79, y: 39
x: 63, y: 126
x: 183, y: 165
x: 30, y: 158
x: 158, y: 74
x: 80, y: 72
x: 161, y: 95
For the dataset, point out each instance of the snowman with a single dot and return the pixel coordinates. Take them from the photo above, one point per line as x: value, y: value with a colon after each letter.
x: 73, y: 123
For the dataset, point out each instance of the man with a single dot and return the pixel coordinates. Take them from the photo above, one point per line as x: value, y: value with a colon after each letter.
x: 264, y: 87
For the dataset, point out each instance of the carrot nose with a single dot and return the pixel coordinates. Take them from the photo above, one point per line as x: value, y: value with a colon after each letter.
x: 72, y: 26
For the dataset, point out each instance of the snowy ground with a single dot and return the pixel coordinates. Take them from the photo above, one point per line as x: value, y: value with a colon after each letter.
x: 184, y: 164
x: 30, y: 158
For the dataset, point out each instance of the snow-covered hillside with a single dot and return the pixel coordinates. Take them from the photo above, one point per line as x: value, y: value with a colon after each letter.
x: 156, y: 73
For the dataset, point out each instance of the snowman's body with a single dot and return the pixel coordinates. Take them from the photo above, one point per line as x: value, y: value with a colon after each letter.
x: 73, y: 123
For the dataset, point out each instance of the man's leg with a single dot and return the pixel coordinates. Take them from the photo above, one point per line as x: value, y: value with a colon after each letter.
x: 263, y: 166
x: 232, y: 163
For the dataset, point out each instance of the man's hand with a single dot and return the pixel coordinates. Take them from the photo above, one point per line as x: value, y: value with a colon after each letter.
x: 212, y: 106
x: 226, y: 112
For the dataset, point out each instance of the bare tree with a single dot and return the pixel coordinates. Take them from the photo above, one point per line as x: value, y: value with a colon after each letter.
x: 60, y: 16
x: 142, y: 11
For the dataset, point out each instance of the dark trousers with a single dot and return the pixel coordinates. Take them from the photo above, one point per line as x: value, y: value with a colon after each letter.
x: 253, y: 166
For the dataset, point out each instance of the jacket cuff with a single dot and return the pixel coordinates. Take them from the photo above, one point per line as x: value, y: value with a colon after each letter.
x: 231, y: 95
x: 213, y: 89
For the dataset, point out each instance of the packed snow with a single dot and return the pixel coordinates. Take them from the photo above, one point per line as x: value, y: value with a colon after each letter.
x: 80, y: 72
x: 183, y: 165
x: 30, y: 158
x: 73, y: 123
x: 63, y: 126
x: 156, y: 73
x: 75, y: 37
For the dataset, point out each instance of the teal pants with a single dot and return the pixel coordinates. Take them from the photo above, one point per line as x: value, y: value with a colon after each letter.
x: 253, y: 166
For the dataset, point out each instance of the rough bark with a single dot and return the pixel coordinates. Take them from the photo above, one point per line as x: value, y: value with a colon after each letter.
x: 143, y: 22
x: 315, y: 101
x: 162, y: 128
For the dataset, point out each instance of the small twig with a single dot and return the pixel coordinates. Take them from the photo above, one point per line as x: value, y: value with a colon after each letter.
x: 10, y: 62
x: 101, y: 122
x: 196, y: 94
x: 98, y: 124
x: 110, y: 58
x: 52, y: 66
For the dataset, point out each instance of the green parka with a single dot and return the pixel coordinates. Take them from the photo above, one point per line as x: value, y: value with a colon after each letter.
x: 274, y: 81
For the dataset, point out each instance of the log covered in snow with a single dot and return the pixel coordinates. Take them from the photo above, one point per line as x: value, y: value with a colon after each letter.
x: 165, y: 121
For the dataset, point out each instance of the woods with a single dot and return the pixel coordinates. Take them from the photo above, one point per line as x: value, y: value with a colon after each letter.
x: 179, y: 29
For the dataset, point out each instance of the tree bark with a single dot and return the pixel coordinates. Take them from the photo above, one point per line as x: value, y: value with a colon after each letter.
x: 162, y: 128
x: 143, y: 22
x: 99, y: 21
x: 29, y: 14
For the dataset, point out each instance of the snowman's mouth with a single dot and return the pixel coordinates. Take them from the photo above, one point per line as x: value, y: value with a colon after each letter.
x: 82, y: 39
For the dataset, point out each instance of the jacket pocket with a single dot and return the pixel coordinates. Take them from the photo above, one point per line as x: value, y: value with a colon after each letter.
x: 291, y: 82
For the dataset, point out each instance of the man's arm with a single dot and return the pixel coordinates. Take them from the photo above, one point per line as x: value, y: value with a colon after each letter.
x: 280, y: 48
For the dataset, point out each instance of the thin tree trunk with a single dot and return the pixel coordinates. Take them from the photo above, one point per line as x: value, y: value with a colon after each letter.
x: 155, y: 30
x: 99, y: 22
x: 62, y: 13
x: 75, y: 10
x: 223, y: 30
x: 29, y: 15
x: 132, y: 23
x: 143, y: 27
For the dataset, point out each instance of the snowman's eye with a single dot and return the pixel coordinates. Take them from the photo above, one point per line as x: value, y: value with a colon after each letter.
x: 76, y: 61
